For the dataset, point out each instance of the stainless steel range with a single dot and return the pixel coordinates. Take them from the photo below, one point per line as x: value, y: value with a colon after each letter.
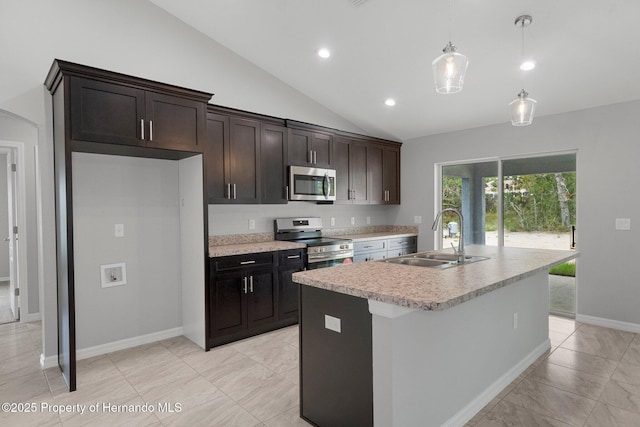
x: 321, y: 251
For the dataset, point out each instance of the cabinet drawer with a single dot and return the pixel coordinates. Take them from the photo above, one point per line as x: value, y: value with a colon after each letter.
x: 370, y: 256
x: 239, y: 261
x: 370, y: 246
x: 402, y: 242
x: 291, y: 256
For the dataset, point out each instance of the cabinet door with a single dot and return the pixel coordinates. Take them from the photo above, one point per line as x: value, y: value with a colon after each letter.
x: 391, y: 174
x: 322, y: 147
x: 358, y: 169
x: 262, y: 297
x: 299, y: 147
x: 341, y: 151
x: 174, y: 123
x: 375, y: 154
x: 273, y: 170
x: 244, y: 160
x: 105, y: 112
x: 229, y: 303
x: 289, y: 293
x: 216, y: 158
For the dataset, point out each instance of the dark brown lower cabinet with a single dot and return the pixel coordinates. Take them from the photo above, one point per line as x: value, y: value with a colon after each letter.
x: 250, y: 294
x: 290, y: 262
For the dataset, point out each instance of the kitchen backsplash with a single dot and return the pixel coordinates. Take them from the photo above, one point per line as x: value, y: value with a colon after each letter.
x: 233, y: 239
x: 235, y: 219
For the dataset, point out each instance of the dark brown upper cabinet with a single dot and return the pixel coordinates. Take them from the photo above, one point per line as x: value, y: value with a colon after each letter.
x: 127, y: 114
x: 352, y: 186
x: 383, y: 170
x: 233, y: 159
x: 246, y: 157
x: 273, y: 170
x: 308, y: 148
x: 367, y: 172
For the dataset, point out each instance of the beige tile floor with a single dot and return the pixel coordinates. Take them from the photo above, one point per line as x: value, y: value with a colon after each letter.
x: 590, y: 377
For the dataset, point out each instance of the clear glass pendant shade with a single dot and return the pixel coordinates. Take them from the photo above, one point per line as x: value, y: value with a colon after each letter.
x: 522, y: 109
x: 449, y: 70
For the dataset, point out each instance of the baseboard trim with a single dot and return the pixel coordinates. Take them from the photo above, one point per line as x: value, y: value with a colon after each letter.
x: 608, y: 323
x: 470, y: 410
x: 98, y: 350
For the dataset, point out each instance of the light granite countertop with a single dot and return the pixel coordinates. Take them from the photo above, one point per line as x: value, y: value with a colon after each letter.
x: 240, y: 244
x: 250, y: 248
x: 431, y: 288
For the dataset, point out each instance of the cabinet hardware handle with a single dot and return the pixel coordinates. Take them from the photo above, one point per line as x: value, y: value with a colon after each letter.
x: 286, y: 192
x: 244, y: 280
x: 228, y: 190
x: 310, y: 156
x: 315, y: 157
x: 150, y: 130
x: 293, y: 256
x: 234, y: 191
x: 247, y: 262
x: 141, y: 128
x: 367, y: 247
x: 251, y: 284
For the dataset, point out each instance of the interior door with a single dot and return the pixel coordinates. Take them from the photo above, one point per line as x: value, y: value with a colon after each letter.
x: 12, y: 235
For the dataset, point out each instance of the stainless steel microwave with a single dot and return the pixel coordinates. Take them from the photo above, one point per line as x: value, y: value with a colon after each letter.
x: 315, y: 184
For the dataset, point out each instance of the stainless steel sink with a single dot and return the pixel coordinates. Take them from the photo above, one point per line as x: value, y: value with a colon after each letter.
x: 419, y: 262
x: 434, y: 260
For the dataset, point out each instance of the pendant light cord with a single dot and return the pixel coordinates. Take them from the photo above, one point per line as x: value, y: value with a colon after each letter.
x: 522, y: 59
x: 450, y: 19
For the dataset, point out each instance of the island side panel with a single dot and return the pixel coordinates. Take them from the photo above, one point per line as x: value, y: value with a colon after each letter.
x: 336, y: 373
x: 435, y: 368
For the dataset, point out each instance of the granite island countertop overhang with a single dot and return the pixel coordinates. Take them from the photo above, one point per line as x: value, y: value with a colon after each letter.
x: 431, y: 288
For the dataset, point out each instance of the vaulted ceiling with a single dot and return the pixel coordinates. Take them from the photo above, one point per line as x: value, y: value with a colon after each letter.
x: 587, y: 54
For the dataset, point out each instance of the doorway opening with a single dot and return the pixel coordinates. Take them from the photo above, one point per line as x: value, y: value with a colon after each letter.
x: 9, y: 282
x: 527, y: 202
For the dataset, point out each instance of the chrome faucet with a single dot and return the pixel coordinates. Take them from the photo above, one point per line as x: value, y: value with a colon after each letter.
x: 460, y: 251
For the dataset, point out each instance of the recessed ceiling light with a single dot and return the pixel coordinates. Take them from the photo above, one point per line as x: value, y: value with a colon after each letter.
x: 527, y: 65
x: 324, y: 53
x: 390, y: 102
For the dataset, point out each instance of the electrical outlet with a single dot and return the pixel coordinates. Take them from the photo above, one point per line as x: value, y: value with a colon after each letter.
x: 118, y: 230
x: 417, y: 219
x: 515, y: 320
x: 623, y: 223
x: 252, y: 224
x: 353, y: 220
x: 368, y: 220
x: 332, y: 323
x: 333, y: 221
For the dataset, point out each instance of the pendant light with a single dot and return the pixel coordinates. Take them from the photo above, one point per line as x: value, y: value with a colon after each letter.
x: 522, y: 108
x: 450, y: 67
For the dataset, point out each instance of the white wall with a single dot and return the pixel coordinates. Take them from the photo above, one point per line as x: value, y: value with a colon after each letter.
x: 129, y: 36
x: 4, y: 217
x: 608, y: 179
x: 234, y: 219
x: 143, y: 195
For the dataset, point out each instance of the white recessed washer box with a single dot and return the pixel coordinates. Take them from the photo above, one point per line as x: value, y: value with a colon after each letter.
x: 113, y: 274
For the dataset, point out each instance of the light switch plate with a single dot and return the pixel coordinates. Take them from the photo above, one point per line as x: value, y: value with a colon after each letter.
x: 252, y: 224
x: 368, y: 220
x: 332, y: 323
x: 118, y: 230
x: 333, y: 221
x: 353, y: 220
x: 417, y: 219
x: 623, y: 223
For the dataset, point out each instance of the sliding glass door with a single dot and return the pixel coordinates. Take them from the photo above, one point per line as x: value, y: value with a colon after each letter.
x: 527, y: 202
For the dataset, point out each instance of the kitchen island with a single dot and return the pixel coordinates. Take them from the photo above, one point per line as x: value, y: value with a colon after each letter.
x: 399, y: 345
